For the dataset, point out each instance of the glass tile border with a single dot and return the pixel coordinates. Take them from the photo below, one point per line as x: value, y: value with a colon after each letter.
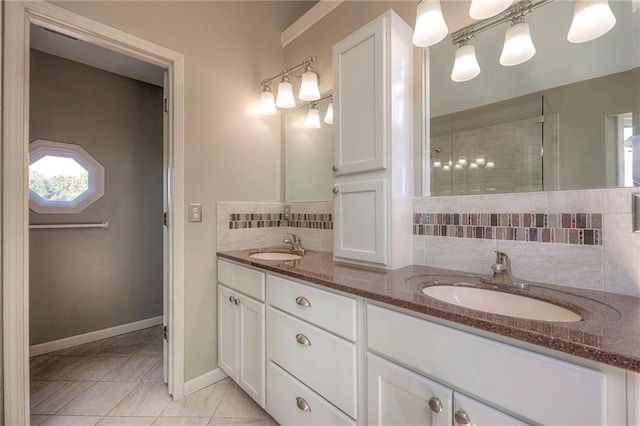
x: 277, y: 220
x: 559, y: 228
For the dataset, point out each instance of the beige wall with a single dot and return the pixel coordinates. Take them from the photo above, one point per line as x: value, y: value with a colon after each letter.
x: 345, y: 19
x: 230, y: 154
x: 83, y: 280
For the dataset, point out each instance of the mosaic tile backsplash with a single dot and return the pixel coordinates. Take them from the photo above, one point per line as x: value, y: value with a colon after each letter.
x: 277, y: 220
x: 563, y: 228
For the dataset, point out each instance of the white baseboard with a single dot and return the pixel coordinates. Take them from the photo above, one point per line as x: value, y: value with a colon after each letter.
x: 203, y: 381
x: 92, y: 336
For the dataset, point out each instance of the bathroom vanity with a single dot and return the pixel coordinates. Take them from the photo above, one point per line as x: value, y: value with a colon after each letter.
x: 354, y: 345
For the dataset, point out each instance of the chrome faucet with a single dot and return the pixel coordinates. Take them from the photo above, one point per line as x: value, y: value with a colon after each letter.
x: 502, y: 274
x: 295, y: 243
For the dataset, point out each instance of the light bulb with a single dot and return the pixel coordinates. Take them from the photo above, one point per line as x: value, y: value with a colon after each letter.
x: 465, y: 66
x: 309, y: 90
x: 430, y: 25
x: 285, y: 94
x: 267, y: 105
x: 313, y: 118
x: 518, y: 47
x: 591, y: 19
x: 328, y: 117
x: 483, y: 9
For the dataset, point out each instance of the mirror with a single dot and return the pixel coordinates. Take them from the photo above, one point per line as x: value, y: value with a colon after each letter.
x: 562, y: 120
x: 308, y: 155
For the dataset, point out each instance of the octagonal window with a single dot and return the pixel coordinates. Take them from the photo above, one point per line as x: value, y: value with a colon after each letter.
x: 63, y: 178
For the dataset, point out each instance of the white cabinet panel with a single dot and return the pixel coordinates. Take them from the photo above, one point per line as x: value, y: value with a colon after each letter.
x: 359, y: 102
x: 330, y: 311
x: 322, y: 361
x: 361, y: 221
x: 227, y: 332
x: 245, y: 280
x: 292, y: 403
x: 252, y: 357
x: 397, y: 396
x: 537, y: 387
x: 468, y: 412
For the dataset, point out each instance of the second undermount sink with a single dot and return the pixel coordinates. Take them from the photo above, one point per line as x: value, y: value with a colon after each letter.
x: 273, y: 255
x: 495, y: 302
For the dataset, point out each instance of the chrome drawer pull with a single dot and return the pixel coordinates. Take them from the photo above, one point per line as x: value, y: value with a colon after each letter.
x: 462, y: 418
x: 302, y: 404
x: 303, y: 340
x: 435, y: 404
x: 303, y: 301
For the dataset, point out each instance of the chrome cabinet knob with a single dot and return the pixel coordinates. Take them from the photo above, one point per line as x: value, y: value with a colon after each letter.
x: 303, y: 301
x: 236, y: 301
x: 335, y: 190
x: 334, y: 168
x: 303, y: 340
x: 302, y: 404
x: 231, y: 299
x: 462, y: 418
x: 435, y: 404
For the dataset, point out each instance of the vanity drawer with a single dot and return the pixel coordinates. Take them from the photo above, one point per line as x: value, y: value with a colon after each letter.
x: 245, y: 280
x: 322, y: 361
x: 542, y: 389
x: 325, y: 309
x: 287, y: 399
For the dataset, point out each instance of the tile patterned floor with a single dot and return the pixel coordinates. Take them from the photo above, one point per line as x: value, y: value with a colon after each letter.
x: 118, y: 381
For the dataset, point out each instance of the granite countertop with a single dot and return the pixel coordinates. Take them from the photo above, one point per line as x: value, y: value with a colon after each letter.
x: 609, y: 332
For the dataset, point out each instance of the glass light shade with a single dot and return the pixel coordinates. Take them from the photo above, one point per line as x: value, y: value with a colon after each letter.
x: 480, y: 161
x: 446, y: 167
x: 313, y: 118
x: 328, y: 117
x: 458, y: 167
x: 267, y: 105
x: 309, y: 90
x: 462, y: 161
x: 437, y: 163
x: 591, y: 19
x: 518, y: 46
x: 483, y: 9
x: 465, y: 66
x: 430, y: 25
x: 285, y: 95
x: 473, y: 166
x: 490, y: 165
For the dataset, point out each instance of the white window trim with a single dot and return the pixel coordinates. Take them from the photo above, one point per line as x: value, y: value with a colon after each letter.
x: 41, y: 148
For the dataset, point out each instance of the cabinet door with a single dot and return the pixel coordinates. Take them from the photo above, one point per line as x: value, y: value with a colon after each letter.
x: 469, y: 412
x: 360, y: 221
x: 397, y: 396
x: 227, y: 331
x: 358, y: 100
x: 251, y: 325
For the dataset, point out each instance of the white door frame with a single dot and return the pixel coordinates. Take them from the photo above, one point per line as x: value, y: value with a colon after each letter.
x: 15, y: 197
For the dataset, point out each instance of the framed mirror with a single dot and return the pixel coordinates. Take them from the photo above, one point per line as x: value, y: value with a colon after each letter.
x: 308, y: 154
x: 562, y: 120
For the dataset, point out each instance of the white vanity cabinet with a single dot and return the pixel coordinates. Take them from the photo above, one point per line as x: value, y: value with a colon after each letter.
x: 373, y: 144
x: 241, y: 327
x: 534, y: 387
x: 312, y: 368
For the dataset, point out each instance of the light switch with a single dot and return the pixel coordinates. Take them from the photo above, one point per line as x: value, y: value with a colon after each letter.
x: 195, y: 212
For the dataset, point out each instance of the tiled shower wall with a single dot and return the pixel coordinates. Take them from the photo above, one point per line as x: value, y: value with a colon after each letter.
x: 573, y: 238
x: 254, y: 225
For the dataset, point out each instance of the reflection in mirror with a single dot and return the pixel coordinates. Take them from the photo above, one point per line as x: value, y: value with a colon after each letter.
x: 308, y: 155
x: 561, y: 120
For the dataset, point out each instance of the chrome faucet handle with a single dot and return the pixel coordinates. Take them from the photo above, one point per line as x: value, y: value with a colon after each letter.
x: 294, y: 237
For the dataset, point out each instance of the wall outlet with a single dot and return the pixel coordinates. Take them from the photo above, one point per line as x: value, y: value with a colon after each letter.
x: 195, y: 212
x: 287, y: 211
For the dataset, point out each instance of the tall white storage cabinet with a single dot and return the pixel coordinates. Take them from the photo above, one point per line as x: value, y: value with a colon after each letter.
x: 373, y: 144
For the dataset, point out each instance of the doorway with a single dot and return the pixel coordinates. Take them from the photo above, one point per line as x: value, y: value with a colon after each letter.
x: 15, y: 220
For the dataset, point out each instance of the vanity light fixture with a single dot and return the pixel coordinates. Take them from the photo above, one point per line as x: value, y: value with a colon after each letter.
x: 313, y: 117
x: 465, y: 65
x: 328, y: 116
x: 518, y: 46
x: 591, y: 19
x: 309, y: 90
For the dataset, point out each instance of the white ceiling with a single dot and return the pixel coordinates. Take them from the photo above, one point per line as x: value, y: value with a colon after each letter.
x: 89, y: 54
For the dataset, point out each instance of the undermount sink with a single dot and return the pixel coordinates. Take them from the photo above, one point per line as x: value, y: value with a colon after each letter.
x: 495, y: 302
x: 272, y: 255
